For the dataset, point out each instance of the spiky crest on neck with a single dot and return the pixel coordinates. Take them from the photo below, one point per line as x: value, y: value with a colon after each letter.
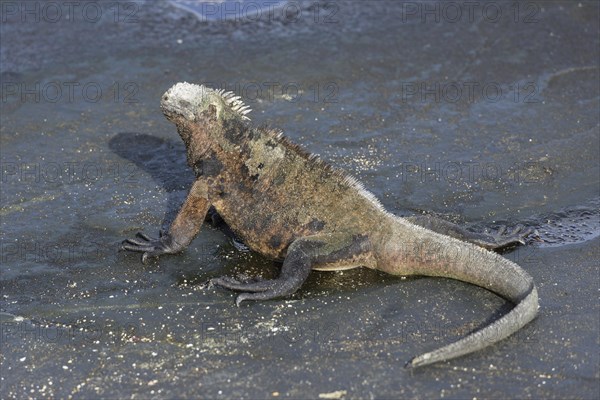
x: 187, y: 100
x: 235, y: 103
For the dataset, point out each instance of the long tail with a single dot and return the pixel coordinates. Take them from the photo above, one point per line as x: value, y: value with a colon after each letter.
x: 473, y: 264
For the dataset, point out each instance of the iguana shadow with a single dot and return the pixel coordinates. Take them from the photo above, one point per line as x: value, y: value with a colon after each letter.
x: 163, y: 159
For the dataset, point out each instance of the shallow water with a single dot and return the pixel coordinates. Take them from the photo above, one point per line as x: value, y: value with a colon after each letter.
x: 484, y: 122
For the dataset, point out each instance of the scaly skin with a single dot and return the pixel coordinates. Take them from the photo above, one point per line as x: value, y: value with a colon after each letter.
x: 290, y: 206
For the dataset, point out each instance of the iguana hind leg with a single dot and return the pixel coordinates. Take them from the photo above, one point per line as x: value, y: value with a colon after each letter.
x: 491, y: 241
x: 329, y: 252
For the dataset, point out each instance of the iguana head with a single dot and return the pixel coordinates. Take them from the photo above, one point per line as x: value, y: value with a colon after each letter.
x: 200, y: 104
x: 204, y: 117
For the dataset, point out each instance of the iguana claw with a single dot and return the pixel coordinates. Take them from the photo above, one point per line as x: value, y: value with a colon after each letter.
x: 151, y: 247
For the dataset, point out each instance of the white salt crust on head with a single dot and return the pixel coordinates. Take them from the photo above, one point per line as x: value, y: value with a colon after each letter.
x: 185, y: 98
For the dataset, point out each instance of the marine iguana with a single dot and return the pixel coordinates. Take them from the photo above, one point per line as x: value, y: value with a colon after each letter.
x: 293, y: 207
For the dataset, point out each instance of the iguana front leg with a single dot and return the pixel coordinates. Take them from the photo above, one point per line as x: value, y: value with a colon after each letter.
x: 494, y: 241
x: 327, y: 252
x: 181, y: 232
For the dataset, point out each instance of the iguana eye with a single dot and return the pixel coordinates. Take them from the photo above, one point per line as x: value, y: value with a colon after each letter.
x: 166, y: 98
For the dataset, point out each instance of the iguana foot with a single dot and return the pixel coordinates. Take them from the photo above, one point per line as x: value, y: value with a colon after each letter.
x: 501, y: 239
x: 261, y: 290
x: 216, y: 221
x: 213, y: 218
x: 490, y: 241
x: 151, y: 247
x: 230, y: 283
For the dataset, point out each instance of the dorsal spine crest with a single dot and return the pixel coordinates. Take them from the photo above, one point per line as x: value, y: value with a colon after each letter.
x: 235, y: 102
